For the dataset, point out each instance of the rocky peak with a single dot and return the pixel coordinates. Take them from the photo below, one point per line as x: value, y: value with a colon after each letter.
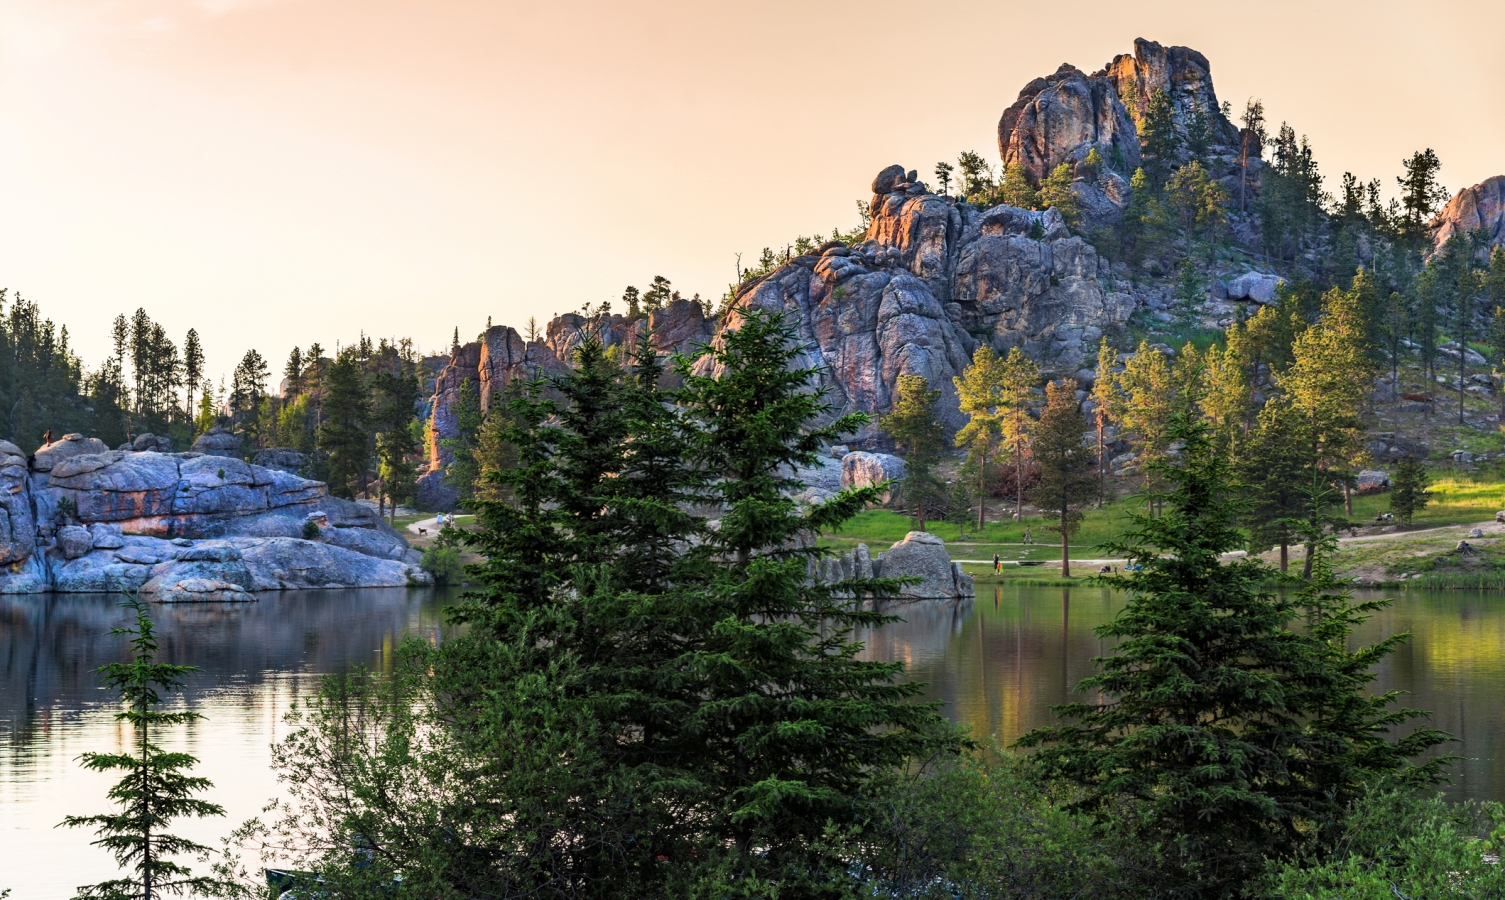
x: 1182, y: 73
x: 1061, y: 118
x: 1479, y: 207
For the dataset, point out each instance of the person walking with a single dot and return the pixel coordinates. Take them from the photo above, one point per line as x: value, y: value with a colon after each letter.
x: 997, y: 565
x: 1027, y: 538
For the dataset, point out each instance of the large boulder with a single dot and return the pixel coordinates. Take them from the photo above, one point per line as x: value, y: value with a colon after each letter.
x: 1259, y: 287
x: 18, y: 526
x: 1063, y: 117
x: 217, y: 442
x: 283, y: 459
x: 923, y: 556
x: 68, y: 446
x: 860, y: 469
x: 152, y: 442
x: 289, y: 563
x: 1481, y: 207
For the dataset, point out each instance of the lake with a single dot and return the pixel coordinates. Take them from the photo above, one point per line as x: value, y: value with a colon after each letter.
x: 998, y: 663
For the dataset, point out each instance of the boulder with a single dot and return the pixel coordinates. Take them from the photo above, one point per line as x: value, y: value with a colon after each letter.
x: 1476, y: 532
x: 1256, y: 286
x: 923, y: 556
x: 152, y: 442
x: 1371, y: 481
x: 74, y: 541
x: 290, y: 563
x: 106, y: 536
x: 283, y: 459
x: 217, y: 442
x: 70, y: 445
x: 860, y: 469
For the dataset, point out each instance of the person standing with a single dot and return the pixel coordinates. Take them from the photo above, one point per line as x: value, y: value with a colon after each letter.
x: 997, y: 565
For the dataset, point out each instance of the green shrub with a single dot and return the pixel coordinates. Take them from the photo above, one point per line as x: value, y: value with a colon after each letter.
x: 1396, y: 845
x: 443, y: 563
x: 310, y: 530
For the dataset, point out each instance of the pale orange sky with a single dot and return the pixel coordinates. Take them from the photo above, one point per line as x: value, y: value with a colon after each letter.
x: 275, y: 172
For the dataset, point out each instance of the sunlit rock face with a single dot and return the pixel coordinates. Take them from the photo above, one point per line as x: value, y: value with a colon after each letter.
x: 182, y: 527
x: 1477, y: 208
x: 1063, y: 117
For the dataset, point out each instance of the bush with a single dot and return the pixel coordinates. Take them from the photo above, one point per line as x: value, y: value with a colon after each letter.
x: 1397, y: 845
x: 310, y: 530
x: 443, y: 563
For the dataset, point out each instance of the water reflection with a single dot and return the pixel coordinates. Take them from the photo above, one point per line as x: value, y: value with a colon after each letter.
x: 256, y: 660
x: 1000, y: 664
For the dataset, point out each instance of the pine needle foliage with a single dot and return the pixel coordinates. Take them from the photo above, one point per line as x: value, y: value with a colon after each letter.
x: 155, y: 789
x: 1222, y: 735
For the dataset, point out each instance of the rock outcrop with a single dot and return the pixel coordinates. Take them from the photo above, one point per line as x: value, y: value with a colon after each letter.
x: 921, y: 556
x: 182, y: 527
x: 1481, y: 207
x: 1063, y: 117
x: 217, y: 442
x: 1186, y: 78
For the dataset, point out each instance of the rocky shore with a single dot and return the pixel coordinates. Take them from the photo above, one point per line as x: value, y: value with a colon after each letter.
x: 79, y: 517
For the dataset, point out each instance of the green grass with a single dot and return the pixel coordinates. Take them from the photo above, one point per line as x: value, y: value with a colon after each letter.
x: 1456, y: 500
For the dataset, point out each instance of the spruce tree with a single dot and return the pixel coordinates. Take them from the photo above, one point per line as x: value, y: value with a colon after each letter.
x: 1408, y: 490
x: 1421, y: 193
x: 1223, y: 737
x: 345, y: 435
x: 913, y: 426
x: 1056, y: 193
x: 193, y: 368
x: 1066, y: 477
x: 786, y: 725
x: 155, y: 789
x: 979, y: 392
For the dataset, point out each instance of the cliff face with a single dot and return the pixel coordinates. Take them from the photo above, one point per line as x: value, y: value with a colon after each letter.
x: 1479, y: 207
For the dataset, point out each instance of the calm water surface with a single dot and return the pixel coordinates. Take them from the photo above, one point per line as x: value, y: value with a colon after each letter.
x: 998, y: 664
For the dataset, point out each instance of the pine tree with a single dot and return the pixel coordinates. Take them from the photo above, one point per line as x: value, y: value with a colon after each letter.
x: 1158, y: 137
x: 1106, y: 404
x: 396, y: 447
x: 1056, y: 193
x: 193, y: 368
x: 658, y: 294
x: 344, y: 435
x: 1421, y: 194
x: 943, y: 172
x: 1230, y: 734
x: 1017, y: 380
x: 155, y: 789
x: 1252, y: 139
x: 977, y: 178
x: 979, y: 392
x: 1408, y: 490
x: 247, y: 387
x: 292, y: 370
x: 1017, y: 189
x: 913, y: 426
x: 1148, y: 400
x: 1066, y: 477
x: 1273, y: 464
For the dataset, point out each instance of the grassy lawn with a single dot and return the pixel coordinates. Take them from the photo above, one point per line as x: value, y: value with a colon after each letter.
x: 1456, y: 500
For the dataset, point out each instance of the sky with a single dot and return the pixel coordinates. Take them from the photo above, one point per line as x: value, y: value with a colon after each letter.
x: 278, y: 172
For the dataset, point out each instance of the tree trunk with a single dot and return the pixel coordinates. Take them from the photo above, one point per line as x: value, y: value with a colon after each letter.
x: 1065, y: 552
x: 1347, y: 499
x: 1285, y: 557
x: 982, y: 491
x: 1102, y: 477
x: 1306, y: 565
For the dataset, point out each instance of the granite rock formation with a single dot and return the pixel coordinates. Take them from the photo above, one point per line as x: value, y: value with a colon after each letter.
x: 921, y: 556
x: 1479, y: 207
x: 1063, y: 117
x: 182, y: 527
x: 1186, y: 78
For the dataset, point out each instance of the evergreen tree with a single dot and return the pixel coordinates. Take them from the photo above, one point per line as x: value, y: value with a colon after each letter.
x: 1148, y: 400
x: 979, y: 393
x: 1017, y: 189
x: 1056, y: 193
x: 344, y: 437
x: 1421, y: 193
x: 1066, y: 477
x: 1408, y: 490
x: 1017, y: 380
x: 913, y: 426
x: 463, y: 470
x: 943, y: 172
x: 1106, y: 402
x: 977, y: 178
x: 193, y: 368
x: 396, y: 447
x: 658, y: 294
x: 155, y: 789
x: 247, y: 387
x: 1272, y: 463
x: 1223, y: 737
x: 1197, y: 202
x: 1252, y: 139
x: 292, y: 370
x: 1158, y: 138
